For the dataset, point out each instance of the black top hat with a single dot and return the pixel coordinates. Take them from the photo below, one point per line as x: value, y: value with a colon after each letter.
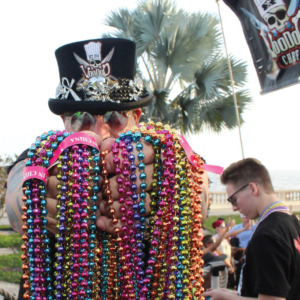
x: 98, y: 76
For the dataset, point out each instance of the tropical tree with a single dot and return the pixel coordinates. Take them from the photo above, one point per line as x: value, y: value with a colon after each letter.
x: 181, y: 61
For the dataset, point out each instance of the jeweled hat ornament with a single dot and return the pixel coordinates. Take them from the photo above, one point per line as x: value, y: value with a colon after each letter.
x: 98, y: 76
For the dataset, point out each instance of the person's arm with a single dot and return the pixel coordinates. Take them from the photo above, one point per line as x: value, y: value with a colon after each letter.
x: 235, y: 232
x: 225, y: 294
x: 13, y: 197
x: 212, y: 247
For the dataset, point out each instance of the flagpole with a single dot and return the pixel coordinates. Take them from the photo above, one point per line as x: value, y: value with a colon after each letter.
x: 232, y: 80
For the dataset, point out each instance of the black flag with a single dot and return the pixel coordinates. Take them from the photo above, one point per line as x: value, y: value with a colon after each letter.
x: 272, y: 31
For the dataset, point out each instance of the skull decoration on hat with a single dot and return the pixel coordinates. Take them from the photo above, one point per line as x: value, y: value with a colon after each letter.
x: 98, y: 76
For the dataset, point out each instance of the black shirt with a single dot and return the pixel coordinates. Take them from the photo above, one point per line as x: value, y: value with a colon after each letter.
x: 272, y: 265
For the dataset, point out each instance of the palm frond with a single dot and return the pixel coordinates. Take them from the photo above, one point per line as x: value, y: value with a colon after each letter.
x: 183, y: 51
x: 221, y: 113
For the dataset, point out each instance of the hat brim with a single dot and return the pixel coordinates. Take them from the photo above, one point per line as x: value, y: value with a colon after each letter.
x: 59, y: 107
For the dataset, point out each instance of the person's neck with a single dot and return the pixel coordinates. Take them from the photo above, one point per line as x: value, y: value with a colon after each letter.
x: 272, y: 204
x: 266, y: 202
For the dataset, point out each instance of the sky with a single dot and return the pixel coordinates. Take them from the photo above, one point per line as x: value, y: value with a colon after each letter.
x: 32, y: 30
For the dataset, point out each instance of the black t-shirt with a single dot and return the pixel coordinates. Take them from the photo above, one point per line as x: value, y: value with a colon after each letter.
x: 272, y: 260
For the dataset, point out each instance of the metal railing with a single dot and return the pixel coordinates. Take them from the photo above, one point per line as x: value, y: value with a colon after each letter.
x: 220, y: 198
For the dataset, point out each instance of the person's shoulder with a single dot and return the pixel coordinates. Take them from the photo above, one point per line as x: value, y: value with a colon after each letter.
x: 21, y: 157
x: 280, y: 218
x: 277, y: 226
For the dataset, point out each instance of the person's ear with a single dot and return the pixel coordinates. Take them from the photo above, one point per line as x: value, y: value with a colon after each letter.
x: 63, y: 118
x: 137, y: 115
x: 254, y: 188
x: 67, y: 125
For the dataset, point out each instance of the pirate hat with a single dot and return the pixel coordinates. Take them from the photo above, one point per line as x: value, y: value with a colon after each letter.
x: 98, y: 76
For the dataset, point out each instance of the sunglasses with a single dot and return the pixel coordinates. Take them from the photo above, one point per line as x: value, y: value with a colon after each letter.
x: 113, y: 120
x: 232, y: 198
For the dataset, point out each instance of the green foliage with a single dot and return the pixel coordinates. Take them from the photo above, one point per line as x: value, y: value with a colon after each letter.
x: 12, y: 275
x: 208, y: 222
x: 11, y: 267
x: 181, y: 61
x: 13, y: 240
x: 5, y: 227
x: 11, y: 264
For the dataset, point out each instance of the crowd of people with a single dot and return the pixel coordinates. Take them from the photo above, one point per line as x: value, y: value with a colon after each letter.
x: 97, y: 94
x: 228, y: 243
x: 270, y: 265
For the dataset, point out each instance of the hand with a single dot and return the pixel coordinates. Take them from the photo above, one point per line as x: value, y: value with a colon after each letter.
x: 230, y: 269
x: 248, y: 226
x: 105, y: 220
x: 219, y: 294
x: 52, y: 191
x: 51, y: 199
x: 230, y: 223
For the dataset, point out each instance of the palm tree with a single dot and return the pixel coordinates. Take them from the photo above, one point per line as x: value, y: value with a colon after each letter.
x: 180, y: 60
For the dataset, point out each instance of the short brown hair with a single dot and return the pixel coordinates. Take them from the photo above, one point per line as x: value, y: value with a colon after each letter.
x: 245, y: 171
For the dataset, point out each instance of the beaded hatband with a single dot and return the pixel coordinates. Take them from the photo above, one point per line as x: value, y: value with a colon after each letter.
x: 155, y: 256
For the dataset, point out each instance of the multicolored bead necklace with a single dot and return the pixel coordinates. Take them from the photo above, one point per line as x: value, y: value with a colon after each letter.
x: 155, y: 256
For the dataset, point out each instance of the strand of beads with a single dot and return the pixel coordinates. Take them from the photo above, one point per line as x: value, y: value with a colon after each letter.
x: 166, y: 204
x: 127, y: 231
x: 74, y: 193
x: 110, y: 284
x: 195, y: 181
x: 92, y: 264
x: 90, y: 155
x: 137, y: 205
x: 157, y: 249
x: 79, y: 226
x: 94, y: 268
x: 139, y: 216
x: 79, y: 238
x: 178, y: 261
x: 60, y: 284
x: 184, y: 225
x: 155, y: 224
x: 130, y: 201
x: 37, y: 272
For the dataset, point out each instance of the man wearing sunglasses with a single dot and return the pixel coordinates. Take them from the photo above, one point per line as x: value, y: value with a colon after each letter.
x: 97, y: 93
x: 271, y: 268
